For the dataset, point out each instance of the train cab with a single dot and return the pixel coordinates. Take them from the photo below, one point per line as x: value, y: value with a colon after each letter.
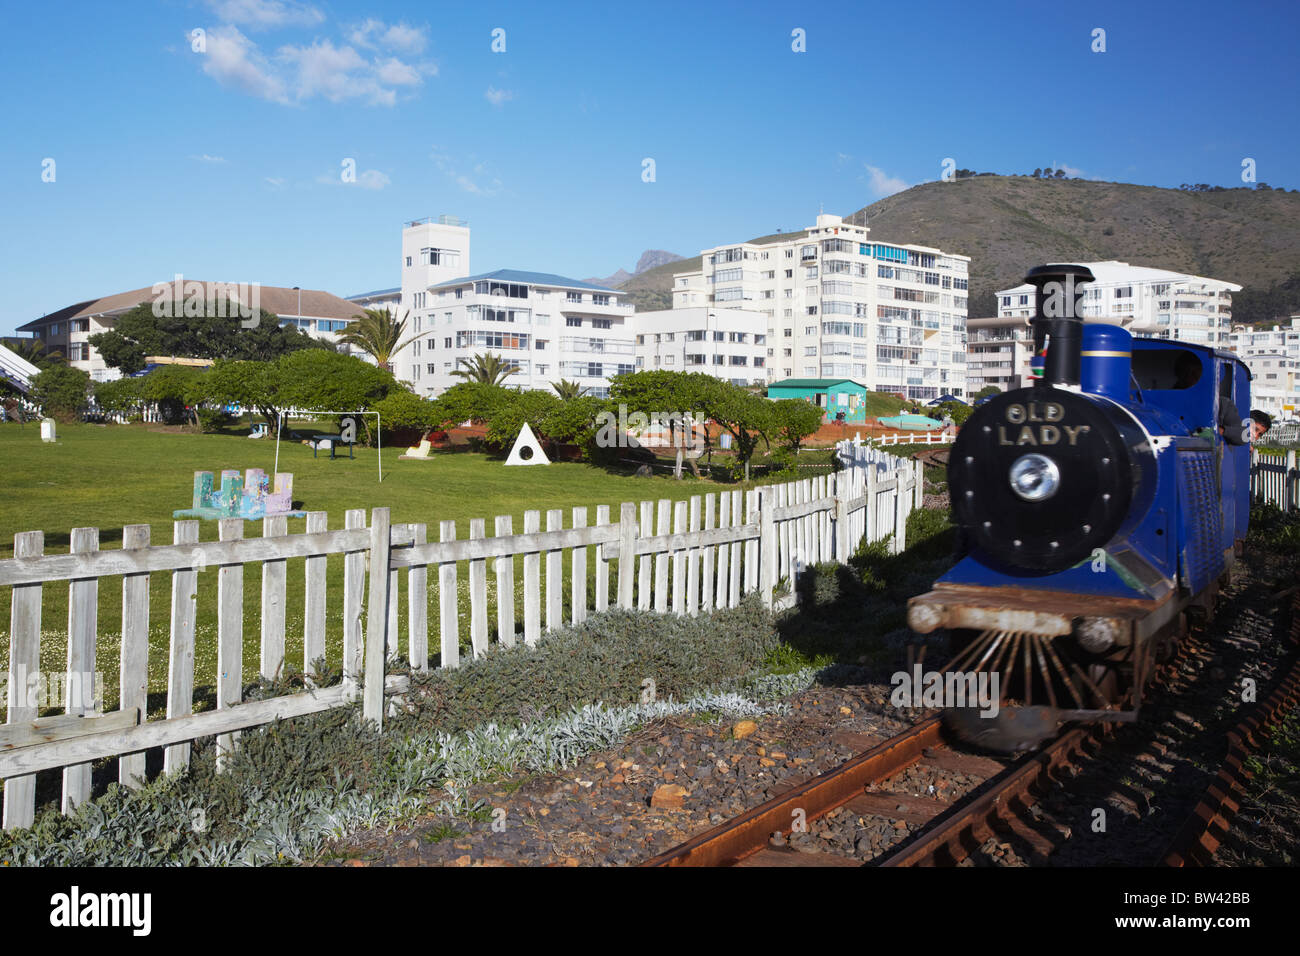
x: 1204, y: 393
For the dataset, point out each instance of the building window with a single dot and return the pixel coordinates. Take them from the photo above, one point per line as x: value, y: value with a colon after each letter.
x: 446, y: 343
x: 602, y: 323
x: 408, y: 260
x: 542, y: 343
x: 433, y: 368
x: 599, y: 299
x: 573, y: 297
x: 573, y: 322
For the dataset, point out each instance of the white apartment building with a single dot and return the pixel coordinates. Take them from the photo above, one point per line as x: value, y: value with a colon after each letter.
x: 1153, y: 303
x: 550, y: 327
x: 998, y: 351
x: 839, y: 305
x: 730, y: 344
x: 1273, y: 356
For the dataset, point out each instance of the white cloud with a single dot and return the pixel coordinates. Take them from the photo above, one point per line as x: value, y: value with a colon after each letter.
x: 234, y: 60
x: 480, y: 181
x: 323, y: 68
x: 399, y: 36
x: 275, y: 181
x: 393, y: 72
x: 882, y: 184
x: 497, y: 97
x: 205, y: 158
x: 265, y: 14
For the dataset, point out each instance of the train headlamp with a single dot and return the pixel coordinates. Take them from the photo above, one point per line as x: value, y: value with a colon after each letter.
x: 1035, y: 477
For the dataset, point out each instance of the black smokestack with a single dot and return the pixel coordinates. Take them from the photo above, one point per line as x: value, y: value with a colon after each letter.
x: 1058, y: 319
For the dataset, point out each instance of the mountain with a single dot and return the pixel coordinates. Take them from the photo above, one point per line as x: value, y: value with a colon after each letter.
x: 1008, y: 224
x: 650, y: 259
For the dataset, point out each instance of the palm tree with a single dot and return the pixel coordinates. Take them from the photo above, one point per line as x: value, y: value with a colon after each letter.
x: 567, y: 390
x: 378, y: 334
x: 489, y: 368
x: 33, y: 350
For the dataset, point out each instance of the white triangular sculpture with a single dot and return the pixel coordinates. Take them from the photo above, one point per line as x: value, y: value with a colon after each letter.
x: 527, y: 440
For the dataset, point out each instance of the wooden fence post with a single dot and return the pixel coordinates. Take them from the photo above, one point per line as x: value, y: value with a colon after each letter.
x: 354, y: 594
x: 554, y: 574
x: 627, y: 527
x: 377, y: 616
x: 602, y: 563
x: 578, y: 579
x: 1289, y: 483
x: 24, y: 666
x: 274, y: 578
x: 180, y: 667
x: 478, y: 634
x: 767, y: 566
x: 448, y: 602
x: 313, y: 637
x: 230, y: 638
x: 79, y: 687
x: 532, y: 583
x: 505, y: 527
x: 133, y: 672
x: 841, y: 489
x: 417, y: 607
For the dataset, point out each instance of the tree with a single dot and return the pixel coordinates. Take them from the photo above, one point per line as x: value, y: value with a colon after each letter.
x: 178, y: 390
x: 986, y: 391
x: 329, y: 381
x: 1037, y: 173
x: 216, y: 333
x: 250, y: 384
x: 508, y: 418
x: 574, y: 421
x: 1060, y: 174
x: 402, y: 408
x: 470, y: 402
x: 793, y: 420
x: 61, y: 391
x: 377, y: 334
x: 488, y: 368
x: 744, y: 415
x: 34, y: 351
x: 567, y: 390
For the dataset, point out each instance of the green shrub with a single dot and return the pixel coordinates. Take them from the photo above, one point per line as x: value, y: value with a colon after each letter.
x: 603, y: 660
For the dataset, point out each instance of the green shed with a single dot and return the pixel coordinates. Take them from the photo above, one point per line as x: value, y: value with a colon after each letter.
x: 831, y: 395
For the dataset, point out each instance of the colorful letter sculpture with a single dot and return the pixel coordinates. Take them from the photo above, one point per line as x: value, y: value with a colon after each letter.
x: 246, y: 498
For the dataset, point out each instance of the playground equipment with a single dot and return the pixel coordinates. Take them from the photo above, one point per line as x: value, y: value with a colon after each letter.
x: 247, y: 497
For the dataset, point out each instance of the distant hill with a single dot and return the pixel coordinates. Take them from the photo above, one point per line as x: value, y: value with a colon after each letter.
x: 650, y: 259
x: 1007, y: 224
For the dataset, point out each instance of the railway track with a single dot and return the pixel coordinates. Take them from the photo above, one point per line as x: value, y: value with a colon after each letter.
x: 1208, y: 823
x: 889, y: 782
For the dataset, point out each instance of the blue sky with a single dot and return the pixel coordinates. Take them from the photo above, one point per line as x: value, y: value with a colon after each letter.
x: 226, y: 164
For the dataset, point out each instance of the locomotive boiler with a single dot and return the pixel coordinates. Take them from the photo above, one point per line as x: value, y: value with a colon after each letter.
x: 1096, y: 508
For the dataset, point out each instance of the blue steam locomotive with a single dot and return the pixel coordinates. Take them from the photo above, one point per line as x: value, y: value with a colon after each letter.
x: 1096, y: 508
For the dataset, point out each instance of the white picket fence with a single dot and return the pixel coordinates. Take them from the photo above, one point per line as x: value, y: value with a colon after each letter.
x: 915, y: 438
x: 1275, y: 479
x: 683, y: 557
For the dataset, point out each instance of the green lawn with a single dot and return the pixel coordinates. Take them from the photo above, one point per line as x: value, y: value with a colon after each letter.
x: 109, y: 476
